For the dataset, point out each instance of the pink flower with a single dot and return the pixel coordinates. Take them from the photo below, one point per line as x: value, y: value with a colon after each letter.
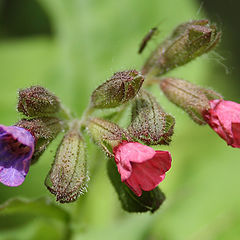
x: 224, y: 118
x: 140, y: 166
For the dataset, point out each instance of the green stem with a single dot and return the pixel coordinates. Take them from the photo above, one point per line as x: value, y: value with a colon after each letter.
x: 117, y: 114
x: 65, y: 113
x: 151, y: 80
x: 90, y: 109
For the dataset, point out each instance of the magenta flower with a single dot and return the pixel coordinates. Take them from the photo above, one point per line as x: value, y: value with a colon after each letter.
x: 224, y: 118
x: 140, y: 166
x: 16, y: 150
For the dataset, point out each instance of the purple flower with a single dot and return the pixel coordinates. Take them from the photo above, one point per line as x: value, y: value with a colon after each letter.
x: 16, y: 150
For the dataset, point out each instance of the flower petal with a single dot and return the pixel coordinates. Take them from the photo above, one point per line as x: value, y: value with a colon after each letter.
x: 133, y: 152
x: 11, y: 177
x: 220, y: 117
x: 147, y: 175
x: 16, y: 150
x: 141, y: 167
x: 236, y: 134
x: 127, y: 152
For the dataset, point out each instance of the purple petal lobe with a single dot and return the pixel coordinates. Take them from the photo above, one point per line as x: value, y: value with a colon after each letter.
x: 16, y: 150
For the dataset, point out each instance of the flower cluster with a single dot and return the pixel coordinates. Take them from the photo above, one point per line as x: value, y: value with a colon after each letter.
x: 134, y: 167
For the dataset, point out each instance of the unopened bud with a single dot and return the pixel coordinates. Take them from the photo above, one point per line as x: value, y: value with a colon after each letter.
x: 191, y: 98
x: 150, y: 123
x: 122, y: 87
x: 44, y: 130
x: 188, y: 41
x: 106, y: 134
x: 68, y: 176
x: 37, y: 101
x: 184, y: 26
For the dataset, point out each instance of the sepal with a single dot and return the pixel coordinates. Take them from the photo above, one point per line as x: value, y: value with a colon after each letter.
x: 44, y: 130
x: 68, y: 176
x: 188, y: 41
x: 150, y: 123
x: 190, y: 97
x: 122, y: 87
x: 37, y: 101
x: 106, y: 134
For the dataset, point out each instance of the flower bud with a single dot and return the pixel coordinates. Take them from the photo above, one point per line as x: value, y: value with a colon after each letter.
x: 191, y: 98
x: 150, y: 123
x: 37, y: 101
x: 188, y: 41
x: 68, y: 176
x: 44, y: 130
x: 122, y: 87
x: 106, y: 134
x: 148, y: 201
x: 184, y: 26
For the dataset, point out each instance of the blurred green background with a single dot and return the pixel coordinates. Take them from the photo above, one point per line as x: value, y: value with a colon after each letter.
x: 72, y: 46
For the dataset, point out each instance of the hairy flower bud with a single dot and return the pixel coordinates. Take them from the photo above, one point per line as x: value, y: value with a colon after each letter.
x: 45, y: 127
x: 188, y: 41
x: 122, y: 87
x: 68, y: 176
x: 191, y: 98
x: 44, y: 130
x: 37, y: 101
x: 106, y: 134
x: 150, y: 123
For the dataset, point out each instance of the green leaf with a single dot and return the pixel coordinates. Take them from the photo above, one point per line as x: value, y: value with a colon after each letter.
x: 40, y: 207
x: 149, y: 201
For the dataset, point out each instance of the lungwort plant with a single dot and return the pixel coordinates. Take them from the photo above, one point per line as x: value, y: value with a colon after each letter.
x: 134, y: 167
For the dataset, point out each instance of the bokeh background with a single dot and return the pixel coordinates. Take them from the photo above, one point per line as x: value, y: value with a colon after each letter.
x: 72, y: 46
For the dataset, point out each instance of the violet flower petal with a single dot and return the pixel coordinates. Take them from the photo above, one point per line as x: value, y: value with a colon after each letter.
x: 16, y: 150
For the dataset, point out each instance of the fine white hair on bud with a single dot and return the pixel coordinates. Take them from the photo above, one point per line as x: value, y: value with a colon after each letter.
x: 44, y: 129
x: 37, y: 101
x: 190, y: 97
x: 68, y: 176
x: 122, y: 87
x: 150, y: 123
x: 188, y: 41
x: 106, y: 134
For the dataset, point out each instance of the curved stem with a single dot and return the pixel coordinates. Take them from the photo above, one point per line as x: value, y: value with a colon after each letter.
x: 150, y: 80
x: 85, y: 115
x: 115, y: 116
x: 65, y: 113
